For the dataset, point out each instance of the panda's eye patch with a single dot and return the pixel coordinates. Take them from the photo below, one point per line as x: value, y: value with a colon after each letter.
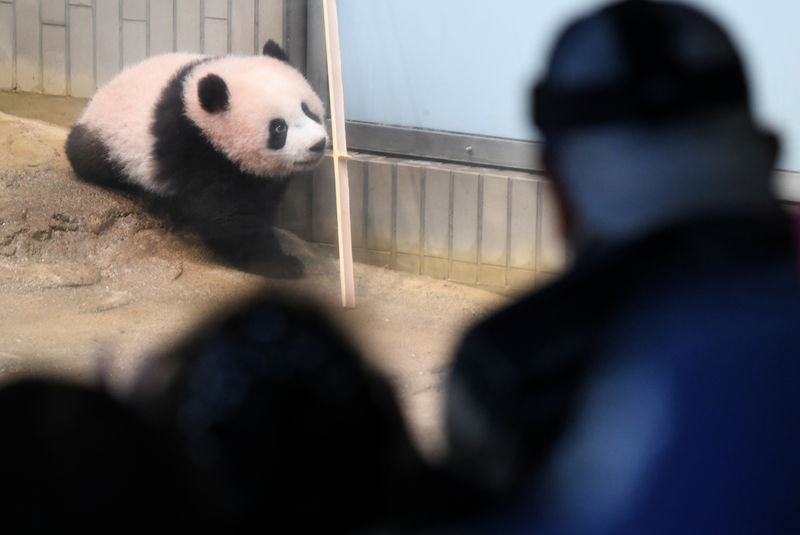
x: 277, y: 134
x: 310, y: 114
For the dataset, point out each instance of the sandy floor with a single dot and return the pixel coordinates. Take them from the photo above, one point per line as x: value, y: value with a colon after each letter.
x: 90, y: 286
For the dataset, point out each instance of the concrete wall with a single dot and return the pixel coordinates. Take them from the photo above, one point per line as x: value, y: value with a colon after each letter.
x: 70, y: 47
x: 466, y: 224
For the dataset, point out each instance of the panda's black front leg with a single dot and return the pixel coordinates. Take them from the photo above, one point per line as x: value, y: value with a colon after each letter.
x: 251, y: 244
x: 270, y: 258
x: 237, y: 224
x: 274, y: 262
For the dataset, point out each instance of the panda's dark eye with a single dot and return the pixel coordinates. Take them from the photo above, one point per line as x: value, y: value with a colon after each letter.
x: 277, y: 134
x: 278, y: 126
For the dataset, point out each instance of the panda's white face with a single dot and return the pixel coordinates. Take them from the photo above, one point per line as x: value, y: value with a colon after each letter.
x: 258, y: 111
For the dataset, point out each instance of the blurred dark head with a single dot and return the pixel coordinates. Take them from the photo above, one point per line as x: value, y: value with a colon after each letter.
x: 645, y: 112
x: 75, y: 457
x: 280, y: 412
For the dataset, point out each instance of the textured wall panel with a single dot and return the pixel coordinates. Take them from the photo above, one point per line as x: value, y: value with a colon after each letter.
x: 494, y: 220
x: 29, y: 57
x: 465, y: 272
x: 6, y: 46
x: 379, y: 205
x: 99, y: 38
x: 81, y: 52
x: 270, y: 22
x: 161, y: 27
x: 441, y: 217
x: 188, y: 25
x: 492, y: 276
x: 136, y: 9
x: 134, y: 41
x: 107, y: 41
x: 465, y: 217
x: 524, y: 210
x: 54, y: 59
x: 216, y: 8
x: 216, y: 37
x: 408, y: 208
x: 54, y: 12
x: 243, y: 26
x: 356, y: 173
x: 437, y: 212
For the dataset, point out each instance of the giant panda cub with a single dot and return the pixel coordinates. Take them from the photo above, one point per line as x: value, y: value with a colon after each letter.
x: 211, y: 142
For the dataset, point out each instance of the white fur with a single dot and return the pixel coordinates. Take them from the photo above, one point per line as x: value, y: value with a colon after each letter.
x: 261, y: 89
x: 121, y: 112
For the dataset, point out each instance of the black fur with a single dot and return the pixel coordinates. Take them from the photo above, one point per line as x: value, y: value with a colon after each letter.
x: 232, y: 211
x: 273, y: 50
x: 277, y: 134
x: 213, y: 93
x: 90, y: 159
x: 310, y: 114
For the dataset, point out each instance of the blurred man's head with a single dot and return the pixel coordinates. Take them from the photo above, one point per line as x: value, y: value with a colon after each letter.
x: 646, y: 117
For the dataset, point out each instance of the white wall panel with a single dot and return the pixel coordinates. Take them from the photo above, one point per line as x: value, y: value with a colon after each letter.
x: 162, y: 35
x: 6, y: 46
x: 270, y: 22
x: 81, y: 51
x: 107, y: 40
x: 54, y: 59
x: 188, y: 25
x: 134, y: 41
x: 135, y: 9
x: 54, y: 12
x: 71, y: 47
x: 29, y: 53
x: 243, y: 26
x: 215, y: 41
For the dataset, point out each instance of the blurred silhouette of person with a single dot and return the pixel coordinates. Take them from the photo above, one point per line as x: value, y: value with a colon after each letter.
x: 652, y: 388
x: 289, y: 428
x: 74, y: 457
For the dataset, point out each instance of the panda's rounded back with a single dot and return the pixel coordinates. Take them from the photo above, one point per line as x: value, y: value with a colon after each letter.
x: 122, y: 111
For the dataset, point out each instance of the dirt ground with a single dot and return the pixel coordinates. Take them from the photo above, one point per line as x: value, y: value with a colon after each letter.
x: 90, y: 285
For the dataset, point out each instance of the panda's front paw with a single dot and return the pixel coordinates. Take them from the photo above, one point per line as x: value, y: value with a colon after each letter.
x: 281, y: 266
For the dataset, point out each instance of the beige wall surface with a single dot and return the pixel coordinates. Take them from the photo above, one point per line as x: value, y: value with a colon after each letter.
x: 71, y: 47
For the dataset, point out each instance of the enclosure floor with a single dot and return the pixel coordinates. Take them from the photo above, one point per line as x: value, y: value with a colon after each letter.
x: 94, y: 304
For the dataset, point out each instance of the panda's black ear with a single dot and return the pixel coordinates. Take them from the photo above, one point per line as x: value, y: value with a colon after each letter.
x: 273, y: 50
x: 213, y: 93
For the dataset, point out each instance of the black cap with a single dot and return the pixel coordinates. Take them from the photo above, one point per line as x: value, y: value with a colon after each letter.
x: 638, y: 60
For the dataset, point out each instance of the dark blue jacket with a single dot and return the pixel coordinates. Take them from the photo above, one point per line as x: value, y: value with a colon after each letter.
x: 654, y: 388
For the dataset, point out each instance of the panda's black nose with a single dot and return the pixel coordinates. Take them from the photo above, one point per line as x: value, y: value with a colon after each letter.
x: 319, y: 146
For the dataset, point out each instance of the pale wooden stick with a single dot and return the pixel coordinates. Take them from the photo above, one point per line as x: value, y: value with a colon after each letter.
x: 340, y: 155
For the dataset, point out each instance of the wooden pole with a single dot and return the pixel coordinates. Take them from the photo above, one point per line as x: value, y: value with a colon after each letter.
x: 340, y: 155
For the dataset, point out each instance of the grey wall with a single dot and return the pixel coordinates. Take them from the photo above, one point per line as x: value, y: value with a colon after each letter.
x: 423, y: 63
x: 466, y: 224
x: 70, y: 47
